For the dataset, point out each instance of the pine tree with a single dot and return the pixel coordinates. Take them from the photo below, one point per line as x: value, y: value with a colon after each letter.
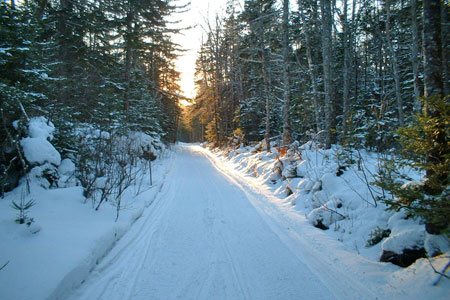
x: 426, y: 141
x: 23, y: 81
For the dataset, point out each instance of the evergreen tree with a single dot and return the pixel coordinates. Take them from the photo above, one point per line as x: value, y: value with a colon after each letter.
x: 79, y: 63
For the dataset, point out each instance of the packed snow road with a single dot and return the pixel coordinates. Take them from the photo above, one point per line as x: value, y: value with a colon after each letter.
x: 206, y: 238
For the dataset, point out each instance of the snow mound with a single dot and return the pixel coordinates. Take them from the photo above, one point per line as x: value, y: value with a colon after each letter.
x: 408, y: 239
x: 40, y: 127
x: 39, y: 151
x: 67, y: 167
x: 323, y: 217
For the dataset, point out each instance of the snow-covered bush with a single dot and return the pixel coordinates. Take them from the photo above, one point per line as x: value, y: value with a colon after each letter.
x: 323, y: 217
x: 110, y: 162
x: 37, y: 147
x: 105, y: 163
x: 39, y: 153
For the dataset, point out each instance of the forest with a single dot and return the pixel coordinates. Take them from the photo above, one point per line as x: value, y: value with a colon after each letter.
x: 361, y: 74
x: 352, y: 70
x: 316, y: 150
x: 86, y: 66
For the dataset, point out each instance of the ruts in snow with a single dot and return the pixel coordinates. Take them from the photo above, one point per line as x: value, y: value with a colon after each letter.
x: 203, y: 239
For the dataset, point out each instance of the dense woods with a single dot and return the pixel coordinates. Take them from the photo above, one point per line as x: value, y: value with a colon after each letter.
x: 352, y: 71
x: 326, y: 113
x: 348, y: 73
x: 103, y: 65
x: 359, y: 74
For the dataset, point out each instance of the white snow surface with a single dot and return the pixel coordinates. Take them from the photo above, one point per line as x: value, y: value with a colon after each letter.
x: 68, y: 237
x: 204, y: 231
x: 345, y: 204
x: 39, y: 151
x: 67, y: 167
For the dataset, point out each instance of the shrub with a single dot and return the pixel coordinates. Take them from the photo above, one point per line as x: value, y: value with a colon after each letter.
x: 426, y: 148
x: 377, y: 235
x: 22, y: 207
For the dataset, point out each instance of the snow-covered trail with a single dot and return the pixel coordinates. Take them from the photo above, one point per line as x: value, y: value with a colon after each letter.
x: 206, y: 238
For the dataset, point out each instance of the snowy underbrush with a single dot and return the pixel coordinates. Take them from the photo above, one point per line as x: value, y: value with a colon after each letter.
x: 334, y: 189
x: 110, y: 163
x: 63, y: 216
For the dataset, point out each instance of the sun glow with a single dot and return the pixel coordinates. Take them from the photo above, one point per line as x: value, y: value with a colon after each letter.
x: 185, y: 102
x: 186, y: 66
x: 190, y: 40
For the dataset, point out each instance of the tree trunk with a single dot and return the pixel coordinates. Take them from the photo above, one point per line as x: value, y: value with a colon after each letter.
x: 432, y: 47
x: 415, y: 54
x: 346, y: 81
x: 287, y: 138
x: 267, y: 97
x: 263, y: 61
x: 216, y: 118
x: 128, y: 58
x: 394, y: 64
x: 64, y: 44
x: 311, y: 67
x: 326, y: 54
x: 445, y: 29
x: 39, y: 12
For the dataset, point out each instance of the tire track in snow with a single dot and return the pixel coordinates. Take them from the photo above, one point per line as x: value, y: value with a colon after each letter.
x: 109, y: 272
x: 237, y: 273
x: 239, y: 279
x: 202, y: 239
x: 282, y: 223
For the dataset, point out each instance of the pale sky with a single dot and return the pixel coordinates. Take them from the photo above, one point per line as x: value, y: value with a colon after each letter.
x: 191, y: 39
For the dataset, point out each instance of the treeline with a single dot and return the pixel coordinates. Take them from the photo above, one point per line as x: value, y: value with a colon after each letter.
x: 365, y: 74
x: 95, y: 63
x: 348, y: 72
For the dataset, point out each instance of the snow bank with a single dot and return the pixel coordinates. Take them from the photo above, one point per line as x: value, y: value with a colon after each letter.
x: 67, y: 236
x: 68, y: 240
x: 339, y: 197
x: 331, y: 192
x: 336, y: 194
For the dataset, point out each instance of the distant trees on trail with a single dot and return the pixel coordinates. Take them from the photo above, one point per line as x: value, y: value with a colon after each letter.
x: 360, y: 74
x: 350, y: 71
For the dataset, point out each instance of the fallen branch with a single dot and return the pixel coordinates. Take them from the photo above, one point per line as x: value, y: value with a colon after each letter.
x: 442, y: 273
x: 2, y: 267
x: 325, y: 207
x: 367, y: 181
